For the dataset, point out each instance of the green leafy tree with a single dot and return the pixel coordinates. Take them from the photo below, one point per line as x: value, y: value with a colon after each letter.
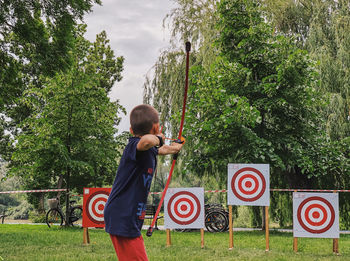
x: 35, y: 40
x: 71, y: 134
x: 322, y: 28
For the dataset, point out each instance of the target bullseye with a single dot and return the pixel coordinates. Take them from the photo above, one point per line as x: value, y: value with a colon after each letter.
x: 183, y: 208
x: 316, y: 215
x: 248, y: 184
x: 95, y: 205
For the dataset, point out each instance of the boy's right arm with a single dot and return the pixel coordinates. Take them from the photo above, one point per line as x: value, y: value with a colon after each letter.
x: 148, y: 141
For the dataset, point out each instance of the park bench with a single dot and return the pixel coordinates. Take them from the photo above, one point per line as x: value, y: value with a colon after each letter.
x: 150, y: 213
x: 2, y: 217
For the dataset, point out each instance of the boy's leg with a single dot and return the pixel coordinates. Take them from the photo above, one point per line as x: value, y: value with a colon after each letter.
x: 129, y: 248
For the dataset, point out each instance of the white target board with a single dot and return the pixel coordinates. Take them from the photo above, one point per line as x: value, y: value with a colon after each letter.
x: 316, y: 215
x: 184, y: 208
x: 248, y: 184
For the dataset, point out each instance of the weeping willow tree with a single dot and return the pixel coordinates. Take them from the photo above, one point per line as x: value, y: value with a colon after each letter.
x: 192, y: 21
x: 322, y: 27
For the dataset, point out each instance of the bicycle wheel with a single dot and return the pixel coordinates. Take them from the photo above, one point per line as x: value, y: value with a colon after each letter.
x: 219, y: 221
x: 54, y: 217
x: 209, y: 222
x: 76, y: 215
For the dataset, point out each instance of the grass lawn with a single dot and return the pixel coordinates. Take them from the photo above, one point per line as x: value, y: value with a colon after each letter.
x: 38, y: 242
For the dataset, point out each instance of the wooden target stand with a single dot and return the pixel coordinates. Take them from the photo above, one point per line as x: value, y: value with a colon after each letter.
x: 267, y: 234
x: 335, y: 245
x: 93, y: 195
x: 86, y: 237
x: 168, y: 237
x: 195, y: 194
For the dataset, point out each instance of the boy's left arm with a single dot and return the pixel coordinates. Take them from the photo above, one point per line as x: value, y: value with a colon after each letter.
x: 174, y: 148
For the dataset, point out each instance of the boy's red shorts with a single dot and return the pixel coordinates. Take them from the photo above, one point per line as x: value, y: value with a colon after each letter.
x: 129, y: 248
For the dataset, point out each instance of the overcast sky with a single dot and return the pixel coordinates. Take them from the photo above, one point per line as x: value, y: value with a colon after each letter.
x: 135, y: 30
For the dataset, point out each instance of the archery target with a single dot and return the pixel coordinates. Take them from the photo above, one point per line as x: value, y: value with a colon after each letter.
x: 315, y: 215
x: 248, y: 184
x: 94, y: 202
x: 184, y: 208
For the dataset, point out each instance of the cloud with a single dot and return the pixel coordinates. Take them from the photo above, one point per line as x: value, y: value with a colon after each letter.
x: 135, y: 30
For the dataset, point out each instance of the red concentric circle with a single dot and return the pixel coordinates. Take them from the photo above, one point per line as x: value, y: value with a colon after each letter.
x: 95, y: 205
x: 184, y: 208
x: 316, y: 215
x: 248, y: 184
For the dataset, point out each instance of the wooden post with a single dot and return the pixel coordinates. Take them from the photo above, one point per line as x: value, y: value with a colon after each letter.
x: 86, y: 238
x: 267, y: 235
x: 295, y: 244
x: 335, y: 245
x: 335, y: 240
x: 202, y: 237
x: 295, y: 239
x: 230, y: 226
x: 168, y: 237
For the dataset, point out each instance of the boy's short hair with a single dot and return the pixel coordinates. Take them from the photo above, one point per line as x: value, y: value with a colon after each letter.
x: 142, y: 118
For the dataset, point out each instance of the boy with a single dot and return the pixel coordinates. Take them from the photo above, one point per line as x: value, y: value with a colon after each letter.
x: 125, y: 209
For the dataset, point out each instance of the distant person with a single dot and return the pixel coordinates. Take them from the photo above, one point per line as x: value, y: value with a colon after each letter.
x: 126, y: 206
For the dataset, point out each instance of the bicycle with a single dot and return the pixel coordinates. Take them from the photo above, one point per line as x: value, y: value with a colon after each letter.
x: 55, y: 215
x: 216, y: 219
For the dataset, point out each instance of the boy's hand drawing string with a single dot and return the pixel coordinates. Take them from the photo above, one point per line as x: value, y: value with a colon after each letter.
x: 179, y: 139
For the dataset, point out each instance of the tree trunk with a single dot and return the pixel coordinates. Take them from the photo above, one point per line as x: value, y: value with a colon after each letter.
x: 67, y: 197
x: 68, y: 145
x: 41, y: 208
x: 59, y: 186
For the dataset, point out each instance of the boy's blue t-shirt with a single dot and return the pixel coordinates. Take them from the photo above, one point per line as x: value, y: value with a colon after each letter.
x: 125, y: 208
